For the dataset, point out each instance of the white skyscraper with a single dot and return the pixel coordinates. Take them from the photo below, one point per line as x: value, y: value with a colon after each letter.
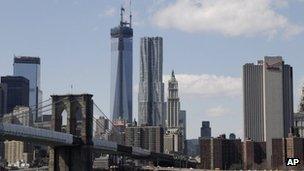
x: 29, y: 67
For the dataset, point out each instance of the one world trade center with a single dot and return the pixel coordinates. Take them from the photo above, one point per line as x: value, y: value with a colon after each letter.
x: 121, y: 70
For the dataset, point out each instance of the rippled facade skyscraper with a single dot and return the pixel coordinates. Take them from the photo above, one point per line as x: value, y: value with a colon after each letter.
x: 151, y: 86
x: 121, y: 71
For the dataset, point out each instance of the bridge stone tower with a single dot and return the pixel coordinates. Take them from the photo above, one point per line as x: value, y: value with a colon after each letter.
x: 79, y: 109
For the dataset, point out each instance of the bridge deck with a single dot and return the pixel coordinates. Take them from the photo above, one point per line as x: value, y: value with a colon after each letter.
x: 25, y: 133
x: 53, y: 138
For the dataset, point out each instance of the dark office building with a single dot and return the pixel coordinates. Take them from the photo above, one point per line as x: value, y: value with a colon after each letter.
x: 3, y: 99
x: 17, y: 91
x: 221, y: 153
x: 205, y: 129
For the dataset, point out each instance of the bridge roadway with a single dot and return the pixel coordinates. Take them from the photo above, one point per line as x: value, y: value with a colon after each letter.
x: 53, y: 138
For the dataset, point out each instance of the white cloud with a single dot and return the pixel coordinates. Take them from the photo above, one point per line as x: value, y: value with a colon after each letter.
x: 206, y: 85
x: 231, y: 18
x: 218, y: 111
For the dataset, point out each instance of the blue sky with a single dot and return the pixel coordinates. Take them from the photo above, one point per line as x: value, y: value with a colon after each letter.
x: 206, y: 42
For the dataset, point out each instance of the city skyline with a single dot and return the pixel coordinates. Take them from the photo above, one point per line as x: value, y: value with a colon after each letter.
x: 87, y: 46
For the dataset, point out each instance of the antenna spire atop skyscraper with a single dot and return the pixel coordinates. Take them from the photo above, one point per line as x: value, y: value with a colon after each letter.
x: 122, y: 22
x: 130, y: 14
x: 121, y: 15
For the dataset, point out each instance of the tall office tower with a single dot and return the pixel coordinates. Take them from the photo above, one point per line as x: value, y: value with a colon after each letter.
x: 121, y: 70
x: 253, y: 101
x: 183, y: 122
x: 205, y: 129
x: 151, y: 86
x: 3, y: 108
x: 29, y: 68
x: 183, y: 125
x: 17, y: 92
x: 173, y: 103
x: 3, y: 99
x: 272, y: 101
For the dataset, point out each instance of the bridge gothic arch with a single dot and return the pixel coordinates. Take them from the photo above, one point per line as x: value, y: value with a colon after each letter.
x: 79, y: 111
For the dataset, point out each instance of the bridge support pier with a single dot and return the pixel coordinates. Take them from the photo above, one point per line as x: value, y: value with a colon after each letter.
x: 71, y: 159
x: 78, y: 157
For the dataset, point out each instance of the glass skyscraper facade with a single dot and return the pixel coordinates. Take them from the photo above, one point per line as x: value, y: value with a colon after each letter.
x: 151, y: 86
x: 17, y: 92
x: 29, y: 68
x: 121, y: 72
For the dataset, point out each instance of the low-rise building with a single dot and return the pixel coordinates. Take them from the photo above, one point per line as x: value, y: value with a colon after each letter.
x: 102, y: 128
x: 298, y: 119
x: 221, y: 153
x: 254, y: 155
x: 17, y: 151
x: 193, y: 149
x: 174, y: 141
x: 284, y: 148
x: 146, y: 137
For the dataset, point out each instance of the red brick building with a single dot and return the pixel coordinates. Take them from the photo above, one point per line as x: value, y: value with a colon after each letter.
x: 284, y: 148
x: 221, y: 153
x: 254, y: 155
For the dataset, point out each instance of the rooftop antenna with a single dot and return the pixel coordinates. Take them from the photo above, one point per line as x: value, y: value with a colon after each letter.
x: 130, y: 14
x: 121, y: 15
